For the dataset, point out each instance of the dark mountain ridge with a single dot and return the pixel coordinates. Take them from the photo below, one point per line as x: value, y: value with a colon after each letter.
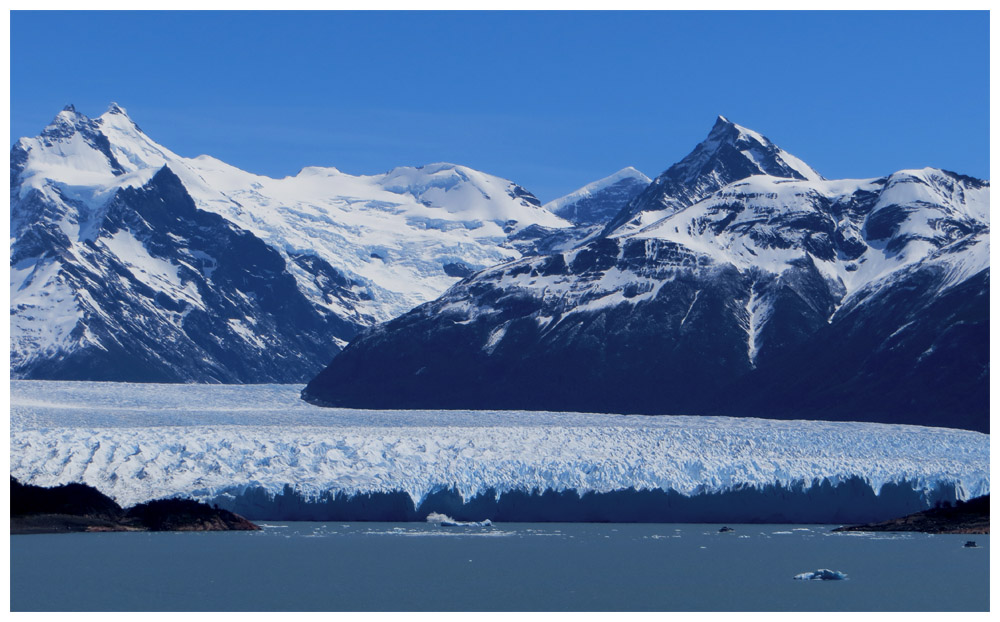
x: 774, y: 295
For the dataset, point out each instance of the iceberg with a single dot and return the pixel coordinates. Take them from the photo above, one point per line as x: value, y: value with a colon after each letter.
x: 446, y: 521
x: 823, y: 574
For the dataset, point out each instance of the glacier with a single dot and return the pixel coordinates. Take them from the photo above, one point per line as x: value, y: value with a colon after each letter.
x: 261, y: 450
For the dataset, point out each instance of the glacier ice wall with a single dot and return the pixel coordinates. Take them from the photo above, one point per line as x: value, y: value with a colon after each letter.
x: 257, y: 442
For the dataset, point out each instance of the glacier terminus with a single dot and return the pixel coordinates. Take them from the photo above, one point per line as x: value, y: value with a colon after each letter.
x: 260, y: 451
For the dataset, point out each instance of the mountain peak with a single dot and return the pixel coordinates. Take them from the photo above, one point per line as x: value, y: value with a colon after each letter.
x: 631, y: 171
x: 68, y: 113
x: 66, y: 122
x: 729, y: 153
x: 726, y: 132
x: 118, y: 116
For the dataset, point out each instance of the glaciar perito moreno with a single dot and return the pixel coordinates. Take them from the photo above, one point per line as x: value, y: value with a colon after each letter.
x: 262, y: 452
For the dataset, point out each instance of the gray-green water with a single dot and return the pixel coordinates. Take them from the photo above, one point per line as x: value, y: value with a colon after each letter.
x: 534, y: 567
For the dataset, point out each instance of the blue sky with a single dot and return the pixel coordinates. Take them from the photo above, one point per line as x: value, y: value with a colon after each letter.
x: 551, y: 100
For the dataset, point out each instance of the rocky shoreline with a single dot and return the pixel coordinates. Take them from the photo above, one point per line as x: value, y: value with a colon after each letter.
x: 81, y: 508
x: 970, y: 517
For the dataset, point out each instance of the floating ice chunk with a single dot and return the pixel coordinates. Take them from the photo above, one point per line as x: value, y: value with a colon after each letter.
x: 446, y: 521
x: 823, y: 574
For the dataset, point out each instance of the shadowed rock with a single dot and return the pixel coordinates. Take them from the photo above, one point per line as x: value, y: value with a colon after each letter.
x: 78, y: 507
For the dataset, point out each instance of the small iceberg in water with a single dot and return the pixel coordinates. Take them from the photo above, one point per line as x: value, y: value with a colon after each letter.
x: 823, y: 574
x: 446, y: 521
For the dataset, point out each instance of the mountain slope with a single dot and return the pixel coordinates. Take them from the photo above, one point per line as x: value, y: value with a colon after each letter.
x: 129, y: 262
x: 769, y: 296
x: 599, y: 201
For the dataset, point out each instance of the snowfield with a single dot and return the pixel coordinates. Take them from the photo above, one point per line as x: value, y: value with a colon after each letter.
x: 137, y: 442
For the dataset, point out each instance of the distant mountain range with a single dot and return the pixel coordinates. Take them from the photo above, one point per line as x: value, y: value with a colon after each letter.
x: 739, y: 282
x: 129, y: 262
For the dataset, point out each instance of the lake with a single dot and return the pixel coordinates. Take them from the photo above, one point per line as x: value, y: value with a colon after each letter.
x: 304, y: 566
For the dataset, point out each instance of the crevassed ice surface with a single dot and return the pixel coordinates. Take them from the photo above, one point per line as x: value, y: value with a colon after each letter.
x: 138, y: 442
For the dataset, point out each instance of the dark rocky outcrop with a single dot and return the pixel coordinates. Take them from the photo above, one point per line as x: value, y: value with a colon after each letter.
x: 186, y: 515
x: 971, y: 516
x: 78, y: 507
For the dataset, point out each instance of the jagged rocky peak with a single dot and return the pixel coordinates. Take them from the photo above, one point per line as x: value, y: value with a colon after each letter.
x: 116, y: 117
x: 756, y: 150
x: 66, y: 123
x: 69, y: 121
x: 114, y: 108
x: 730, y: 153
x: 72, y: 143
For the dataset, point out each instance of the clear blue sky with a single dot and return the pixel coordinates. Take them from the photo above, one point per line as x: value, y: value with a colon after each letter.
x: 550, y: 100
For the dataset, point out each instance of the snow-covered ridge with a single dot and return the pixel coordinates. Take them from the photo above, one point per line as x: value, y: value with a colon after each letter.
x: 139, y: 442
x: 416, y: 219
x: 770, y: 222
x: 359, y: 249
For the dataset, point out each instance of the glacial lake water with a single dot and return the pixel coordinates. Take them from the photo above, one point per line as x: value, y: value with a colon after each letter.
x: 507, y: 567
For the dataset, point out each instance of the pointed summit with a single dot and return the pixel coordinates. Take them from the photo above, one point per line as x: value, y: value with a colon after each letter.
x: 67, y: 114
x: 117, y: 116
x: 66, y: 123
x: 116, y: 137
x: 729, y: 153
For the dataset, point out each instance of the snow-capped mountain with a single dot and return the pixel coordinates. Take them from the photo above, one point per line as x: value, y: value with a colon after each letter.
x: 130, y: 262
x: 740, y: 282
x: 730, y: 153
x: 600, y: 201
